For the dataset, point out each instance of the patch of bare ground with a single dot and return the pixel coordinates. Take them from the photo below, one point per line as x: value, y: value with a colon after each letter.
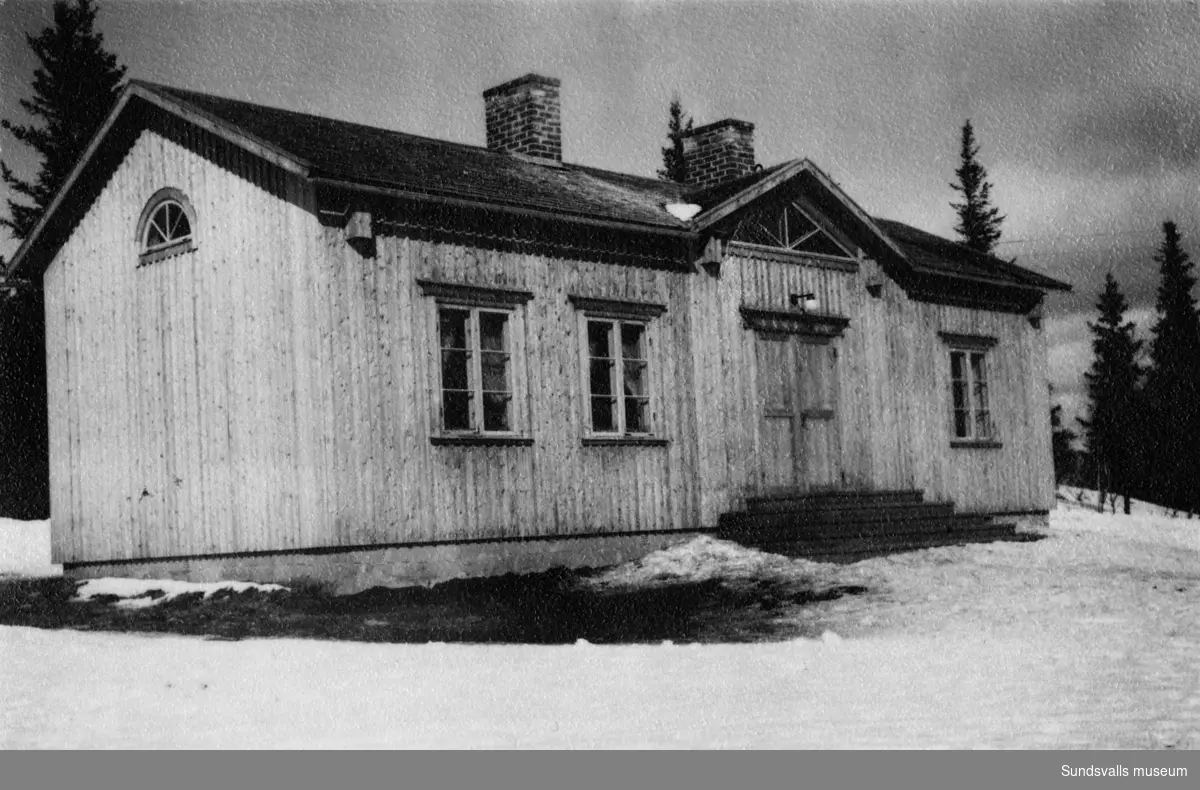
x: 556, y: 607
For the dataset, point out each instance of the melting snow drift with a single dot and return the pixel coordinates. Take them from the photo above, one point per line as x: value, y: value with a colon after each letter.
x: 139, y: 593
x: 25, y: 549
x: 683, y: 211
x: 1087, y: 638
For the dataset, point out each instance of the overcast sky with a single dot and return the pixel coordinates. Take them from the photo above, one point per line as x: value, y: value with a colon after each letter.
x: 1088, y: 114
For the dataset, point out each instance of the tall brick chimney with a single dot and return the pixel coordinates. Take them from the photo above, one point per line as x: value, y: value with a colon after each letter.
x: 719, y: 152
x: 523, y: 116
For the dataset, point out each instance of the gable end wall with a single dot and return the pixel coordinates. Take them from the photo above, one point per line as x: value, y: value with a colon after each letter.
x: 178, y: 424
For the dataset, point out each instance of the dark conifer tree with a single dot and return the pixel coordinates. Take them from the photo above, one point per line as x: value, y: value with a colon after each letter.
x: 73, y: 90
x: 679, y: 125
x: 1173, y: 381
x: 1062, y: 444
x: 978, y: 221
x: 24, y: 443
x: 1112, y: 387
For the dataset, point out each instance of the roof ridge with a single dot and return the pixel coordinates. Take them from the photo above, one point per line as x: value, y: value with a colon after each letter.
x: 184, y: 94
x: 648, y: 180
x: 174, y: 91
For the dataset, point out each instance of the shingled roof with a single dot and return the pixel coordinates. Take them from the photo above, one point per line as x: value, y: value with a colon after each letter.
x: 934, y: 255
x: 364, y: 156
x: 361, y: 154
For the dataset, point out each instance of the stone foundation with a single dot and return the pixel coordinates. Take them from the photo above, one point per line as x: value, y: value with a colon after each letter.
x: 349, y: 572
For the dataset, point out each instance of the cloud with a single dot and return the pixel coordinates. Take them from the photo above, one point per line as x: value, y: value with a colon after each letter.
x: 1155, y: 130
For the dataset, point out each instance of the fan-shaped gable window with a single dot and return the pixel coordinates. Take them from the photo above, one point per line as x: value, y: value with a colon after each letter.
x: 787, y: 227
x: 166, y: 227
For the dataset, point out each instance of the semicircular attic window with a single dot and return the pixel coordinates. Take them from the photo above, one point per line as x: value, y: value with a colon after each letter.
x: 165, y: 227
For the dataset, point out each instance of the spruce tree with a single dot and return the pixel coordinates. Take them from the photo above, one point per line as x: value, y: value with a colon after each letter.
x: 73, y: 90
x: 679, y: 126
x: 1112, y: 388
x: 24, y: 442
x: 978, y: 221
x: 1062, y: 445
x: 1173, y: 381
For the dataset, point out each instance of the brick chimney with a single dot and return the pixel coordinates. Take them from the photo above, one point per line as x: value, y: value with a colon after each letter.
x: 523, y: 117
x: 719, y: 152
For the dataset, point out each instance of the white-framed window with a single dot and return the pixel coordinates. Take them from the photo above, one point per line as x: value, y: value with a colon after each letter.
x: 619, y: 367
x: 166, y: 226
x: 970, y: 396
x: 478, y: 373
x: 476, y: 369
x: 618, y: 378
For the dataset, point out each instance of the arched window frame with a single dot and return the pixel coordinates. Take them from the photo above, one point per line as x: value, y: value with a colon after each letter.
x: 148, y: 254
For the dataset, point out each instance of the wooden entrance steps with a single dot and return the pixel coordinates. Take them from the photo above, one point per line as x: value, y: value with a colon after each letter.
x: 847, y: 526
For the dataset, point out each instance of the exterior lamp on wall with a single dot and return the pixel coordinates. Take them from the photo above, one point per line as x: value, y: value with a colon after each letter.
x: 807, y: 302
x: 1036, y: 315
x: 359, y: 233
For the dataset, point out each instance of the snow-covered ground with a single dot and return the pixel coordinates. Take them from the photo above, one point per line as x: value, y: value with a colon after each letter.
x: 25, y: 548
x: 1086, y: 639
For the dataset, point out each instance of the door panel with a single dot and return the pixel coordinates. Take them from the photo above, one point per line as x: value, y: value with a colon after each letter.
x: 777, y: 399
x: 820, y: 436
x: 800, y: 436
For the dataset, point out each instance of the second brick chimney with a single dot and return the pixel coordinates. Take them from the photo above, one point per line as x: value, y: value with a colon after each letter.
x: 523, y: 117
x: 719, y: 152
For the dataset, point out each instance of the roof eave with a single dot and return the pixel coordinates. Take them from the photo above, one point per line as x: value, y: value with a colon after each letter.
x: 31, y: 241
x: 1050, y: 284
x: 222, y: 128
x: 707, y: 219
x: 585, y: 219
x: 712, y: 216
x: 147, y: 92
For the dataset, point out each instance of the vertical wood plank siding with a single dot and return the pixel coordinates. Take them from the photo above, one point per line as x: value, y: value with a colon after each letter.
x: 555, y: 486
x: 274, y: 389
x: 894, y: 387
x: 181, y: 394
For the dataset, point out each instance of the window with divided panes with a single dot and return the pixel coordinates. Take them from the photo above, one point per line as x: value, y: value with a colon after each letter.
x: 476, y: 369
x: 969, y: 395
x: 618, y: 377
x: 165, y: 227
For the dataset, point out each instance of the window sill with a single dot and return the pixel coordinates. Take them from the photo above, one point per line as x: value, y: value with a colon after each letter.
x: 162, y: 253
x: 977, y: 444
x: 624, y: 441
x: 480, y: 440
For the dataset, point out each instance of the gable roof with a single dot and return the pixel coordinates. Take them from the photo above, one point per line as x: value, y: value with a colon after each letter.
x: 935, y: 255
x: 356, y: 156
x: 366, y: 155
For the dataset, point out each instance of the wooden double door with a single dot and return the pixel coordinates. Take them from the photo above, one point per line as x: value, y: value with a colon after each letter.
x: 799, y: 427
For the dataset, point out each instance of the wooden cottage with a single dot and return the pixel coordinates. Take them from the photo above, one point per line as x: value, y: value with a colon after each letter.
x: 281, y: 346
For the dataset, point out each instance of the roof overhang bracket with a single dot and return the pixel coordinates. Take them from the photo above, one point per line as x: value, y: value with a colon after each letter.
x: 710, y: 257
